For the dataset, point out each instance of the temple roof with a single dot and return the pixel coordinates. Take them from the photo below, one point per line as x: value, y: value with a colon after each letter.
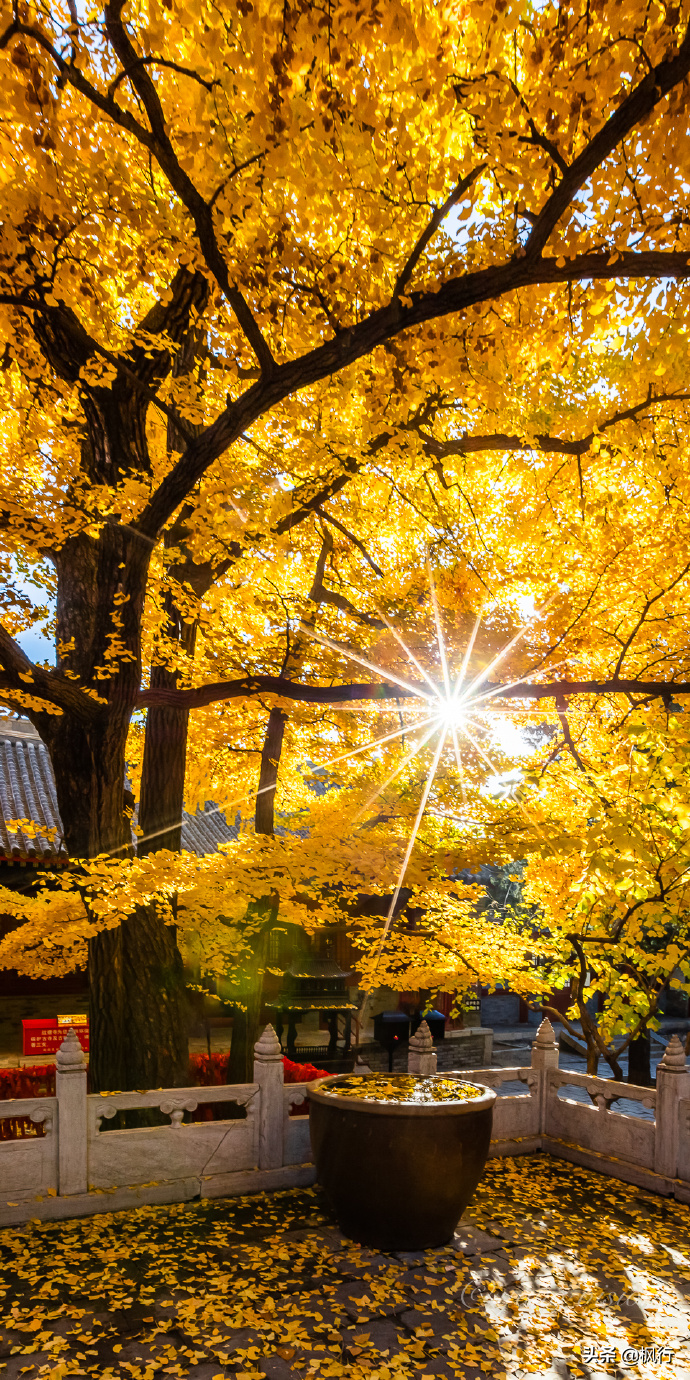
x: 27, y: 793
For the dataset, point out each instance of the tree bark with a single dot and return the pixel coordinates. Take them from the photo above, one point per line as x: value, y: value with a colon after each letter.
x: 137, y: 1001
x: 268, y: 775
x: 153, y: 963
x: 165, y: 754
x: 149, y: 953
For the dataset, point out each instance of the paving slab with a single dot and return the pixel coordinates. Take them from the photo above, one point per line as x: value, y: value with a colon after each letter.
x: 548, y: 1260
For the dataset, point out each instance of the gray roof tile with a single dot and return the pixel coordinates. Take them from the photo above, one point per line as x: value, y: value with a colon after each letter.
x: 27, y: 792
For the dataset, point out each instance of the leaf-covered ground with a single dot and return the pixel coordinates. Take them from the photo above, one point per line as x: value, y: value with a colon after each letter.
x: 550, y: 1266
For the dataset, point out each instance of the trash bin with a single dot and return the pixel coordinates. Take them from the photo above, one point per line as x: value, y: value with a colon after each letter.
x: 435, y: 1020
x: 390, y: 1028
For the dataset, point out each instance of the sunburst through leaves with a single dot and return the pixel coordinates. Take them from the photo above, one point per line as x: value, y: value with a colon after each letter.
x: 454, y: 712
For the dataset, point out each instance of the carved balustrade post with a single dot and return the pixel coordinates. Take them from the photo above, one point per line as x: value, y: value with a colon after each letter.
x: 544, y: 1058
x: 268, y: 1073
x: 70, y: 1090
x: 672, y: 1083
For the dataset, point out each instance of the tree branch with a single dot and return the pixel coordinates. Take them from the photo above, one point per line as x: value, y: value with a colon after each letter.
x: 23, y: 677
x: 647, y: 606
x: 349, y: 345
x: 158, y: 144
x: 160, y: 62
x: 313, y: 504
x: 321, y: 595
x: 263, y: 684
x: 437, y: 218
x: 199, y: 210
x: 525, y: 269
x: 469, y: 445
x: 249, y: 685
x: 636, y: 107
x: 540, y: 141
x: 334, y: 522
x: 561, y: 710
x: 67, y: 346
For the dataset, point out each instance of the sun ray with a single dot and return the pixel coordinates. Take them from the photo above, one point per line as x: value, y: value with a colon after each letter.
x: 465, y: 660
x: 523, y: 811
x: 321, y: 766
x: 385, y: 675
x: 507, y: 648
x: 458, y: 760
x: 378, y: 707
x: 463, y: 727
x: 432, y: 684
x: 216, y: 810
x: 408, y: 853
x: 406, y: 760
x: 439, y: 631
x: 496, y: 692
x: 503, y: 689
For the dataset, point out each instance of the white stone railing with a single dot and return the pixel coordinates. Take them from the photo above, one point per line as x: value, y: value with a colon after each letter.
x: 78, y: 1166
x: 653, y: 1152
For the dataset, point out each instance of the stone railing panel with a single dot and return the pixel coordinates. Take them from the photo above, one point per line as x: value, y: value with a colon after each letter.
x: 296, y: 1141
x: 516, y: 1117
x: 29, y: 1165
x: 683, y: 1170
x: 592, y: 1127
x: 151, y: 1154
x: 494, y: 1078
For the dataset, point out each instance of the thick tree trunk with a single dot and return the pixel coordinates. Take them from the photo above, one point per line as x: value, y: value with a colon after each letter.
x: 137, y: 1001
x: 161, y: 807
x: 132, y: 968
x: 152, y: 962
x: 138, y: 1018
x: 264, y: 815
x: 165, y: 751
x: 162, y: 781
x: 151, y: 951
x: 102, y: 572
x: 138, y: 1026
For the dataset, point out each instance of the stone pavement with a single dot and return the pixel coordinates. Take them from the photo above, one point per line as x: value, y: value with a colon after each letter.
x: 553, y: 1271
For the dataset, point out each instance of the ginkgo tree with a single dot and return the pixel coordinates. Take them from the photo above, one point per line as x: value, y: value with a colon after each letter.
x: 268, y: 268
x: 609, y: 870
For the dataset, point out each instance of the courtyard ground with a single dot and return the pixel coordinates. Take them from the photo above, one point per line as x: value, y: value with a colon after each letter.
x: 554, y: 1272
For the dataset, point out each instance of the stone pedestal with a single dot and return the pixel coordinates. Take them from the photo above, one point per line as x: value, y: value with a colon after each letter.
x: 545, y: 1047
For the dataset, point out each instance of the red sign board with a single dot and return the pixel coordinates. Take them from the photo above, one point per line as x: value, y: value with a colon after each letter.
x: 46, y: 1036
